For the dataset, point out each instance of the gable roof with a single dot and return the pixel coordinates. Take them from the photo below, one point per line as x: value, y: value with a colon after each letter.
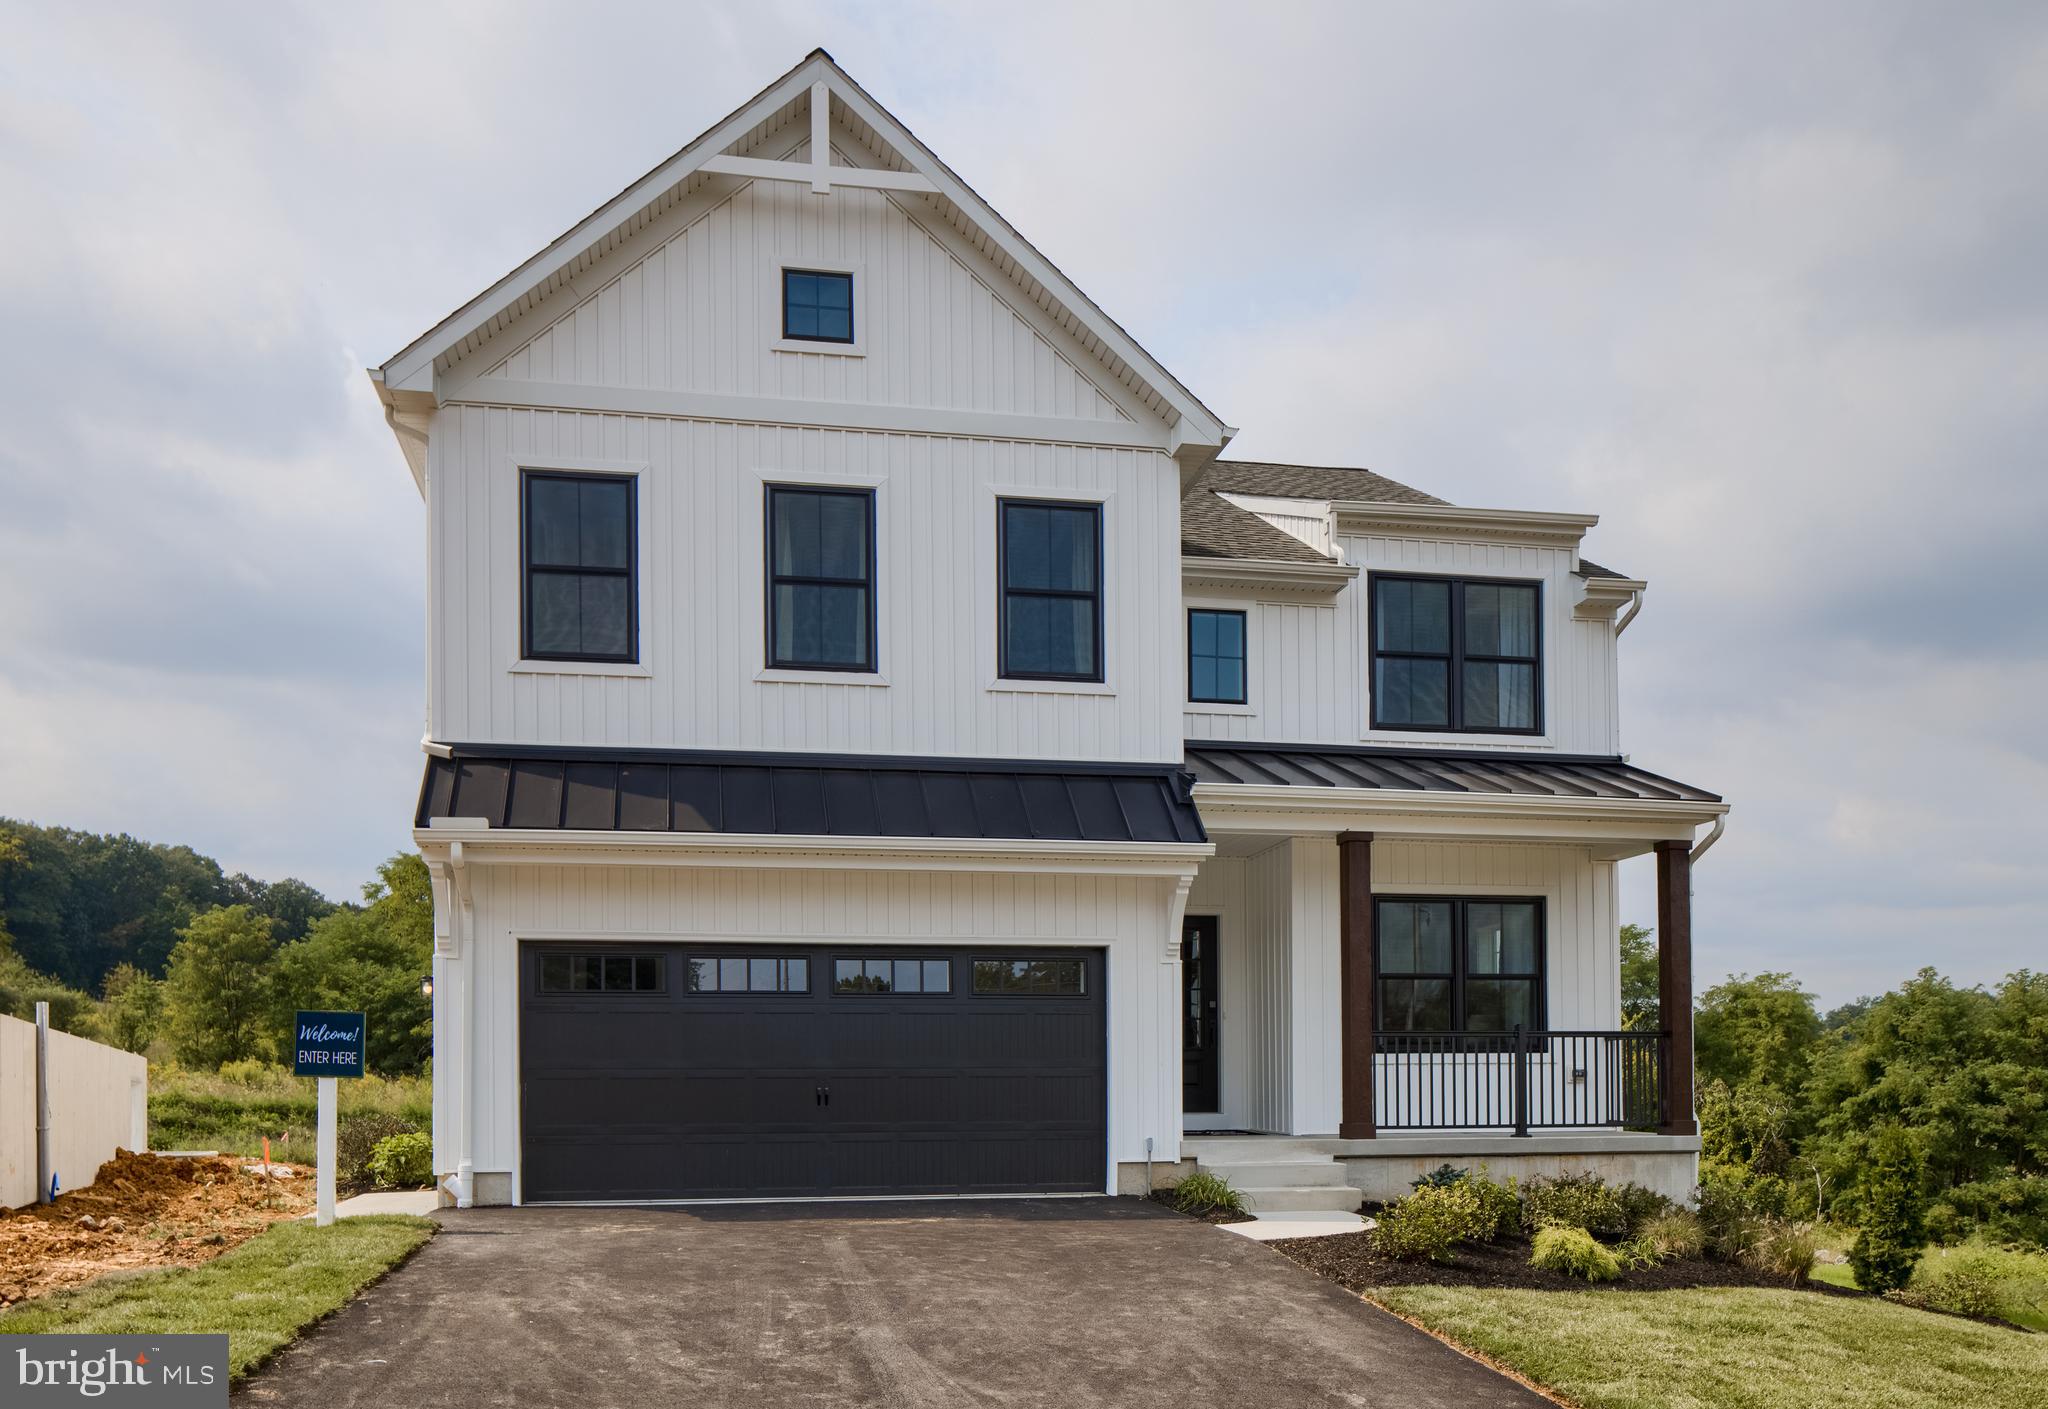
x: 920, y: 178
x: 1213, y: 527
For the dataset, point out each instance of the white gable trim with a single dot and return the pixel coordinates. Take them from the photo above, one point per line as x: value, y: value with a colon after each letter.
x: 408, y: 378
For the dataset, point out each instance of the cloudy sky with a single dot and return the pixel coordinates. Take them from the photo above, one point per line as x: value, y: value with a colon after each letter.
x: 1763, y: 285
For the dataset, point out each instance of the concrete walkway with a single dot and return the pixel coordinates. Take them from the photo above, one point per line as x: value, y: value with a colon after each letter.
x: 1312, y: 1223
x: 923, y: 1305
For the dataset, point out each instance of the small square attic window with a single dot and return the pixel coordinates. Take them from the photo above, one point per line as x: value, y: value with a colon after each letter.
x: 817, y: 306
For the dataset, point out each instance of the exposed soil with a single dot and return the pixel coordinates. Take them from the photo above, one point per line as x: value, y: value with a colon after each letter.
x: 146, y: 1211
x: 1164, y: 1197
x: 1349, y: 1260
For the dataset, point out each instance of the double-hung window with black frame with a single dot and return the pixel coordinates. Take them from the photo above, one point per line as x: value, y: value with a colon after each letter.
x: 1049, y: 567
x: 1446, y: 965
x: 1458, y: 655
x: 579, y: 550
x: 821, y: 578
x: 817, y: 305
x: 1216, y: 655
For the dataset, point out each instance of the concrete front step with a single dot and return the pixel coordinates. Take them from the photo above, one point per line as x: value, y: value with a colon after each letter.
x: 1297, y: 1198
x: 1275, y: 1173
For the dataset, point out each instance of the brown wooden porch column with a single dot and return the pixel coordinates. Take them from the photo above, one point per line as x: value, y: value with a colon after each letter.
x: 1356, y: 950
x: 1674, y: 982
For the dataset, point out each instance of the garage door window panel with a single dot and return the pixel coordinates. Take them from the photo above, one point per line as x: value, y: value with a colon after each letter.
x: 747, y: 974
x: 601, y: 973
x: 905, y: 976
x: 1044, y: 978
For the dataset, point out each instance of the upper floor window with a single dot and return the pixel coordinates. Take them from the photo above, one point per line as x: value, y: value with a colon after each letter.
x: 1215, y: 657
x: 580, y: 599
x: 817, y: 306
x: 821, y: 570
x: 1456, y: 654
x: 1050, y: 567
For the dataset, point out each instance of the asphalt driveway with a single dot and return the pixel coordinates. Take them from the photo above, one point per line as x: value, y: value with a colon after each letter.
x: 918, y: 1305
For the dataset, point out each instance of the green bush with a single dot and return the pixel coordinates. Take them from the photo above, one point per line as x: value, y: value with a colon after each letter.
x: 1674, y: 1234
x: 1440, y: 1177
x: 1982, y: 1279
x: 1888, y: 1247
x: 1431, y: 1222
x: 403, y: 1161
x: 1734, y: 1215
x: 1638, y: 1252
x: 1500, y: 1207
x: 1204, y: 1193
x: 1576, y: 1201
x: 356, y: 1141
x: 1575, y: 1253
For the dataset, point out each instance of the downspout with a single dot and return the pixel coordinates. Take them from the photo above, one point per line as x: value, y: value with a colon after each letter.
x: 46, y: 1156
x: 465, y: 1148
x: 1635, y: 605
x: 1720, y: 826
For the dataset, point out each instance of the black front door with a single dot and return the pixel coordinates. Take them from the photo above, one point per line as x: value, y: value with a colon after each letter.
x: 1198, y: 1045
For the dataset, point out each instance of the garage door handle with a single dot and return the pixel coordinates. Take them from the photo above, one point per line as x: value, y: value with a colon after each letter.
x: 822, y: 1095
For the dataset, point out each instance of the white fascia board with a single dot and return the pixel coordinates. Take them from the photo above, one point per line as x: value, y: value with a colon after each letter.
x: 1271, y: 573
x: 516, y: 847
x: 1197, y: 434
x: 1231, y: 807
x: 1450, y: 520
x: 417, y: 359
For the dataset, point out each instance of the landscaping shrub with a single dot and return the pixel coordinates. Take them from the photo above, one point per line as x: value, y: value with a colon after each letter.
x: 1576, y: 1201
x: 1893, y: 1234
x: 1203, y: 1193
x: 1431, y: 1222
x: 1967, y: 1285
x: 1732, y: 1218
x: 356, y: 1140
x: 403, y: 1161
x: 1440, y: 1177
x: 1783, y: 1248
x: 1674, y: 1234
x: 1638, y: 1252
x: 1500, y: 1207
x: 1575, y: 1253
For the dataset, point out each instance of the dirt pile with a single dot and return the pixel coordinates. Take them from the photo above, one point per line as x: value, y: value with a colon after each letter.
x: 142, y: 1210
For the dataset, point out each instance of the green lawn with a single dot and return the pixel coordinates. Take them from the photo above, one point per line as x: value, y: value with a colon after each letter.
x: 1736, y: 1348
x: 262, y: 1294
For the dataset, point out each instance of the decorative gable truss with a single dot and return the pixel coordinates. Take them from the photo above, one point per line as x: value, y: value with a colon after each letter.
x: 990, y: 337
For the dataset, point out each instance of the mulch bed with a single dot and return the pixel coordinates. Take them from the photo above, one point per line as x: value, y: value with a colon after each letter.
x: 1349, y: 1260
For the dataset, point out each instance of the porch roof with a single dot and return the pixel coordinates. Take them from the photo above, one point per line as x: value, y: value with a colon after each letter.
x: 1563, y: 776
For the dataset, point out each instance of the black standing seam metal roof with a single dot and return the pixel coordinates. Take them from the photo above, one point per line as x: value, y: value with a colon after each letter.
x: 810, y: 795
x: 1435, y: 771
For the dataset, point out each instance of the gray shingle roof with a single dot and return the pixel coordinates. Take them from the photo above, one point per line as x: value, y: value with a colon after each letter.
x: 1212, y: 527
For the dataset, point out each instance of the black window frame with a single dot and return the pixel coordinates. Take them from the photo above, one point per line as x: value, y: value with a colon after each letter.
x: 1004, y: 591
x: 774, y: 579
x: 658, y: 959
x: 1244, y: 660
x: 782, y: 963
x: 1456, y: 658
x: 922, y: 960
x: 1460, y: 972
x: 975, y: 962
x: 528, y: 478
x: 852, y: 306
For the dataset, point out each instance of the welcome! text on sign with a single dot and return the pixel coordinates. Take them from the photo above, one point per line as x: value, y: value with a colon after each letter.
x: 328, y: 1044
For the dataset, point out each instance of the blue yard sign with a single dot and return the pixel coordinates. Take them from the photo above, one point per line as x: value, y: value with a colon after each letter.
x: 328, y: 1044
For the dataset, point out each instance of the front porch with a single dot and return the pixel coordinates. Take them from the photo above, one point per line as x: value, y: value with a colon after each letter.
x: 1379, y: 980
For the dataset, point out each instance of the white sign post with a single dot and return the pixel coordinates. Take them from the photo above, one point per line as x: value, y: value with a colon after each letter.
x: 323, y: 1206
x: 326, y: 1046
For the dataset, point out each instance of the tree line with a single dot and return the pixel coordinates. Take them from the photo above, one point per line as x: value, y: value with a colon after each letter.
x: 155, y: 949
x: 1801, y: 1110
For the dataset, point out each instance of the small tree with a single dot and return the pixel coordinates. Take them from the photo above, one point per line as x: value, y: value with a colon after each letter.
x: 217, y: 992
x: 131, y: 1009
x: 1888, y: 1247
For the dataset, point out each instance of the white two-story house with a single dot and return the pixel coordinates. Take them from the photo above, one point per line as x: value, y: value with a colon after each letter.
x: 876, y: 744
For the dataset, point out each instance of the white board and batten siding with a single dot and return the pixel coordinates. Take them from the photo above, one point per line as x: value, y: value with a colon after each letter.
x: 1127, y: 917
x: 698, y: 312
x: 1278, y: 959
x: 1308, y: 671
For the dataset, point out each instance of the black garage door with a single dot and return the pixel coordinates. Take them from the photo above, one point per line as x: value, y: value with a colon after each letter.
x: 672, y: 1072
